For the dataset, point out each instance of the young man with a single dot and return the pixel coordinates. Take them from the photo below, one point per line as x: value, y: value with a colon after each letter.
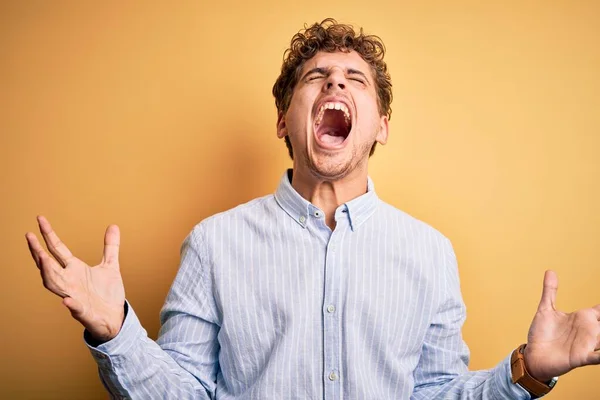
x: 321, y: 290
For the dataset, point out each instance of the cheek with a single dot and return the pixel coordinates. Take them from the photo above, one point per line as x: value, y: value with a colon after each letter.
x: 295, y: 124
x: 369, y: 115
x: 298, y: 117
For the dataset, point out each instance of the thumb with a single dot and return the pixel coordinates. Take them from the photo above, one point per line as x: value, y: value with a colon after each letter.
x: 112, y: 241
x: 548, y: 300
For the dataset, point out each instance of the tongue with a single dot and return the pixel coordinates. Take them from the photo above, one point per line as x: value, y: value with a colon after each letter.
x: 333, y: 129
x: 332, y: 138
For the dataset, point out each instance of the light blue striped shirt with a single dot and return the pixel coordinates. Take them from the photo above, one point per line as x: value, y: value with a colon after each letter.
x: 269, y: 303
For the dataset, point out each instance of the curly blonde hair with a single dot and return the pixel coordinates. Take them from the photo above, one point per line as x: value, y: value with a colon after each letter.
x: 331, y: 36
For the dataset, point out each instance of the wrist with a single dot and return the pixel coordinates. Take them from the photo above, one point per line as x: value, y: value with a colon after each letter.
x: 522, y: 377
x: 531, y: 368
x: 106, y: 330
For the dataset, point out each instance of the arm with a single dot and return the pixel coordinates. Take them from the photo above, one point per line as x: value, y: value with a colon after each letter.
x: 131, y: 365
x: 183, y: 362
x: 442, y: 372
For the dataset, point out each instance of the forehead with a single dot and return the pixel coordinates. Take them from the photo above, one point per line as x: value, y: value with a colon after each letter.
x: 342, y: 60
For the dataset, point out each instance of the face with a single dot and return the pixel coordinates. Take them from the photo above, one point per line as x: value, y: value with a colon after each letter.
x: 333, y: 119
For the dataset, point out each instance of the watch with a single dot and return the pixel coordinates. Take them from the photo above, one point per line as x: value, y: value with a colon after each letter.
x: 521, y: 377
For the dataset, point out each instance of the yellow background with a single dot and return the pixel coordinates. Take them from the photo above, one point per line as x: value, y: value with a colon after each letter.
x: 154, y: 116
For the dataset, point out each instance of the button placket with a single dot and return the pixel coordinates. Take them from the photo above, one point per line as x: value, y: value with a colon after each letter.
x: 331, y: 337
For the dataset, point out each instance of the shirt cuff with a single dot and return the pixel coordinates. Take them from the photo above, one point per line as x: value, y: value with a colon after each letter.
x: 113, y: 353
x: 505, y: 388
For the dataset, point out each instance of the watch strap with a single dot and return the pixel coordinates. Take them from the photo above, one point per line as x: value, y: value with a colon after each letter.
x: 521, y: 376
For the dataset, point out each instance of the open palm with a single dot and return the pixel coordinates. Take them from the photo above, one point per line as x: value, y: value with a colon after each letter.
x: 94, y: 295
x: 559, y: 342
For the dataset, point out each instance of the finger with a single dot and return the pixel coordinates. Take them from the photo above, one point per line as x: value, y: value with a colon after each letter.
x: 34, y: 245
x: 39, y: 254
x: 50, y: 271
x: 56, y: 247
x: 548, y: 301
x: 112, y: 241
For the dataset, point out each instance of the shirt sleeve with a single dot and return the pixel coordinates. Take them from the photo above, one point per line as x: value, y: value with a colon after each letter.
x: 183, y: 362
x: 442, y: 371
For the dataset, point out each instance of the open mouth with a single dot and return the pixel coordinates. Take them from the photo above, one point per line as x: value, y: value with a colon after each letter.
x: 333, y: 123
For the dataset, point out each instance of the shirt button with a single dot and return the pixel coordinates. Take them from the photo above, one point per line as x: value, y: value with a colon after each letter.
x: 318, y: 214
x: 332, y: 247
x: 333, y: 376
x: 302, y: 219
x: 330, y: 308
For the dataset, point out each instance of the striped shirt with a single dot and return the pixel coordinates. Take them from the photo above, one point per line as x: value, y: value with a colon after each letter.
x: 270, y: 303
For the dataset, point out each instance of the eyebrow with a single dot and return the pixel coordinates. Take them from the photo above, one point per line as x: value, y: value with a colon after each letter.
x: 351, y: 71
x: 317, y: 70
x: 324, y: 71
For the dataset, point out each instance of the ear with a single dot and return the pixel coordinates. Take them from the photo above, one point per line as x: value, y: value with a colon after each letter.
x: 281, y: 127
x: 382, y: 135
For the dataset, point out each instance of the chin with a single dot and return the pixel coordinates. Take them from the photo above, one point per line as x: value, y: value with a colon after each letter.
x: 330, y: 169
x: 337, y: 165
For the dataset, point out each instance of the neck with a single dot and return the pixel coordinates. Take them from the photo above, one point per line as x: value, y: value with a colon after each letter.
x: 328, y: 195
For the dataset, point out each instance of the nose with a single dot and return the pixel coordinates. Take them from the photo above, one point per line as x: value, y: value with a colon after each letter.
x: 336, y: 81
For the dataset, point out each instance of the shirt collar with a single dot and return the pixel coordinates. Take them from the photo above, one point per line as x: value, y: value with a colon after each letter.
x: 357, y: 210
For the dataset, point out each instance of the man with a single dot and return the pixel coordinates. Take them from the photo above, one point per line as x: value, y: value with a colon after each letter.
x: 321, y: 290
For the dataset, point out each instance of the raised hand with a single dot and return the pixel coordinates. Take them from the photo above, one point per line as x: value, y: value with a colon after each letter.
x: 94, y: 295
x: 559, y: 342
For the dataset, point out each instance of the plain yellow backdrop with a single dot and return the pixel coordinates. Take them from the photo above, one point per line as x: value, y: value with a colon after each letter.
x: 155, y: 115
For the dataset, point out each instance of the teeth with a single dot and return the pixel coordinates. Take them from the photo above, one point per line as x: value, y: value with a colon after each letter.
x: 332, y: 106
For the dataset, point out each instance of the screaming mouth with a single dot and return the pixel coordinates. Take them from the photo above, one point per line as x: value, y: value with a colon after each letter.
x: 333, y: 123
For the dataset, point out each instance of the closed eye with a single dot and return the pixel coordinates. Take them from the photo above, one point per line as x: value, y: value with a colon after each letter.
x: 315, y: 77
x: 357, y: 80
